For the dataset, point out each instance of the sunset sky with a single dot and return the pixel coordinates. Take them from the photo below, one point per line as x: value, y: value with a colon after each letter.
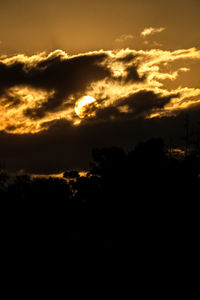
x: 75, y: 75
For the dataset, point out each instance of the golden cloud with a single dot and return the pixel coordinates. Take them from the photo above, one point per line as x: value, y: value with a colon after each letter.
x: 150, y: 31
x: 124, y: 37
x: 43, y: 88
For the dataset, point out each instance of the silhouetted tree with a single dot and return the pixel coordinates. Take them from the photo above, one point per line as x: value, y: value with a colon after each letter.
x: 139, y: 198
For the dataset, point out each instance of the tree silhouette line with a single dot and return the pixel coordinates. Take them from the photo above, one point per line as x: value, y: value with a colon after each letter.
x: 146, y: 197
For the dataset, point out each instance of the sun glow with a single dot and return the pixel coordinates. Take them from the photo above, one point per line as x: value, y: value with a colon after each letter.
x: 82, y: 106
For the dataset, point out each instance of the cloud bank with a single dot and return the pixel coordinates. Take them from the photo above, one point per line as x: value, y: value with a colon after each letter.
x: 37, y: 91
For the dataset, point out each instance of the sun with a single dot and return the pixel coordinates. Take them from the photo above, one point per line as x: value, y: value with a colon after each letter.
x: 81, y: 106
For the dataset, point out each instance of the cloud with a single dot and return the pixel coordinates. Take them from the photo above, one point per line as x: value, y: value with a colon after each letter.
x: 64, y: 146
x: 55, y: 72
x: 150, y: 31
x: 124, y: 38
x: 40, y: 90
x: 46, y: 84
x: 138, y: 105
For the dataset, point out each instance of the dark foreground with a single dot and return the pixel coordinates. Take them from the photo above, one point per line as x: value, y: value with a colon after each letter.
x: 143, y: 205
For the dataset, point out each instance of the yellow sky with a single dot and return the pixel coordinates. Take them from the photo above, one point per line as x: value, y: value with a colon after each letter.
x: 82, y: 25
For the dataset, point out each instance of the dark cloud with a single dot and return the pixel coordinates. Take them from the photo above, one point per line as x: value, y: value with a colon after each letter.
x: 131, y: 68
x: 64, y: 76
x: 127, y: 58
x: 132, y: 74
x: 10, y: 101
x: 140, y: 104
x: 63, y: 146
x: 12, y: 75
x: 145, y: 102
x: 61, y: 80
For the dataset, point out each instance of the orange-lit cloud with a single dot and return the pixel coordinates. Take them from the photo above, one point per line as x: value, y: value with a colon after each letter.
x: 42, y: 89
x: 150, y: 31
x: 124, y: 37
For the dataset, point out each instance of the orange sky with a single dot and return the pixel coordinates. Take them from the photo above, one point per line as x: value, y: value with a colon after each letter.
x: 28, y: 26
x: 138, y: 61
